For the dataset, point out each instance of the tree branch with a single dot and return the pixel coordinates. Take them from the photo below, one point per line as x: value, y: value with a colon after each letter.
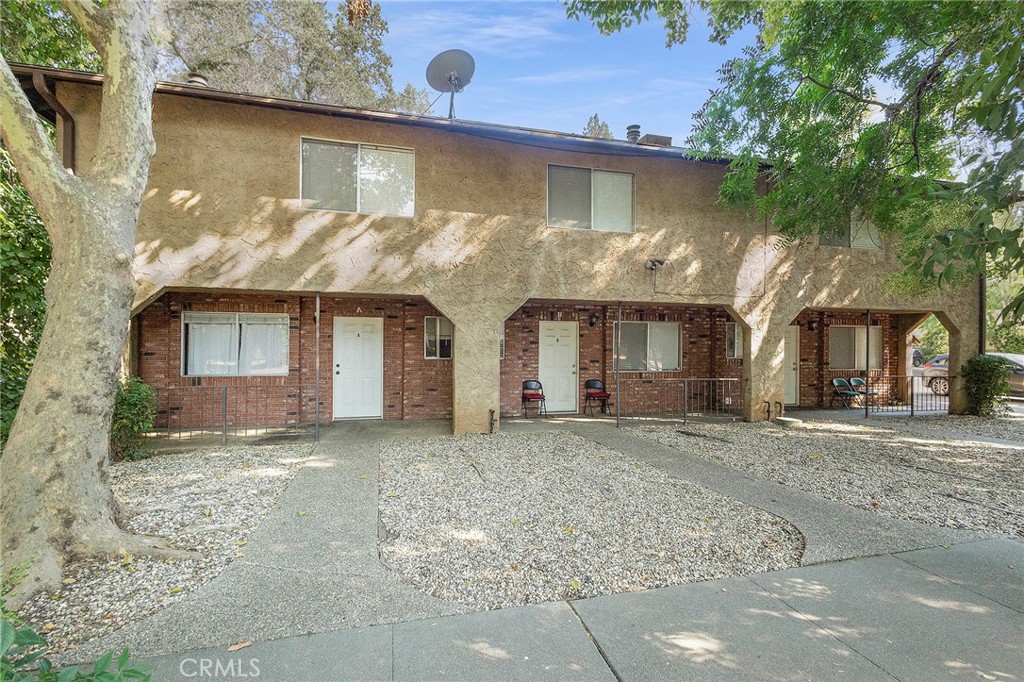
x: 124, y: 142
x: 33, y: 154
x: 94, y: 20
x: 849, y: 93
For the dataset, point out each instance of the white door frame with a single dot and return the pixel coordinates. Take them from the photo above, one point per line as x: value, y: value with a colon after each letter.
x: 791, y: 365
x: 574, y: 369
x: 378, y: 322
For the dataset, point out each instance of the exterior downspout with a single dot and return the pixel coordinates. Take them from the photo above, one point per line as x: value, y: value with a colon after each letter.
x: 67, y: 145
x: 982, y: 310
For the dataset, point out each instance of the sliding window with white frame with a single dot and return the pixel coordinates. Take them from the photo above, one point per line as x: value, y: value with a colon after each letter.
x: 849, y: 347
x: 234, y: 344
x: 647, y: 346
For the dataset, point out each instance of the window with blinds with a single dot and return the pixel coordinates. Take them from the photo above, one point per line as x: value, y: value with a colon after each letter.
x: 733, y: 340
x: 590, y: 199
x: 358, y: 178
x: 848, y: 347
x: 234, y: 344
x: 647, y: 346
x: 437, y: 338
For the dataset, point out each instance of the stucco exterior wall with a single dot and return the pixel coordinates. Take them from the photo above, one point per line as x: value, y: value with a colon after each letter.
x: 222, y: 212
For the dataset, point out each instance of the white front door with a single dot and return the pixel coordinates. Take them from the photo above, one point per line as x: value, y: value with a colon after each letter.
x: 559, y: 355
x: 358, y: 367
x: 791, y: 365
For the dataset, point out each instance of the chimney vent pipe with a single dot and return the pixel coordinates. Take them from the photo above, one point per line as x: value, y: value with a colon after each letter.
x: 198, y: 79
x: 633, y: 132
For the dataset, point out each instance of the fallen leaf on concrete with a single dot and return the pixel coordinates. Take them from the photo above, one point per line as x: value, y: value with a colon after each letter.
x: 239, y: 645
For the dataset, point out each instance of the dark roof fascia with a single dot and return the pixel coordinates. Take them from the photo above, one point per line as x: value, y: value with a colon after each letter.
x: 513, y: 134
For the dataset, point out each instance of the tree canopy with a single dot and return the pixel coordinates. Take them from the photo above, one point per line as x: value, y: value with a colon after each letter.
x: 598, y: 128
x: 909, y: 114
x: 297, y: 50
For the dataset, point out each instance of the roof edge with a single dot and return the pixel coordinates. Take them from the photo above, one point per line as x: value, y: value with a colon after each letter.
x: 494, y: 131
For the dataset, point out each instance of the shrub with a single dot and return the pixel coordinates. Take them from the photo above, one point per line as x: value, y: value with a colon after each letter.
x: 23, y: 651
x: 986, y: 381
x: 134, y: 412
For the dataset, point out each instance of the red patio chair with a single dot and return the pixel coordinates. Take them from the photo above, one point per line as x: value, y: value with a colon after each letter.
x: 533, y: 392
x: 596, y: 393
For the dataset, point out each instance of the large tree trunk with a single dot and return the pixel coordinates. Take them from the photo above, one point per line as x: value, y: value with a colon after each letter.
x: 56, y: 504
x: 55, y: 499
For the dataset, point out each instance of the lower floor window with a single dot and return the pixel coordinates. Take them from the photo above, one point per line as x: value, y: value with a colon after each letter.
x: 234, y: 344
x: 733, y: 340
x: 854, y: 348
x: 647, y: 346
x: 437, y: 338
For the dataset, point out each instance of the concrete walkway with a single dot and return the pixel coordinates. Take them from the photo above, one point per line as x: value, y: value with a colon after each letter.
x: 313, y: 595
x: 929, y: 614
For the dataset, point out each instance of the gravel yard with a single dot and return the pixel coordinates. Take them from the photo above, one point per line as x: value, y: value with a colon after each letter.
x: 1010, y: 427
x: 510, y: 519
x: 208, y: 501
x: 960, y: 485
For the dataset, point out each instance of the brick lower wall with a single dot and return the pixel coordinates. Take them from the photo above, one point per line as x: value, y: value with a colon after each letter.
x: 414, y: 387
x: 702, y: 350
x: 815, y: 373
x: 419, y: 388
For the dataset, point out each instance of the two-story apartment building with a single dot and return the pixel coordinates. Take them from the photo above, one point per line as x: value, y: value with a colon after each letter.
x: 348, y: 264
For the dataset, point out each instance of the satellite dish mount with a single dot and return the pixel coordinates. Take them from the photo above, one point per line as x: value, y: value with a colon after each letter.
x: 451, y: 72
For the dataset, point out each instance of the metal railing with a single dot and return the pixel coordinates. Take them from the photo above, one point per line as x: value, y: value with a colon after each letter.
x: 235, y: 411
x: 905, y: 394
x: 680, y: 399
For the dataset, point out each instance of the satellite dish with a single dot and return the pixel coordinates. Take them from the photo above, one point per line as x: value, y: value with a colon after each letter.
x: 451, y: 71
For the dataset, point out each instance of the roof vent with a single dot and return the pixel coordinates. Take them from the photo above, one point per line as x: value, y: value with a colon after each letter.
x: 633, y: 132
x: 198, y: 79
x: 655, y: 140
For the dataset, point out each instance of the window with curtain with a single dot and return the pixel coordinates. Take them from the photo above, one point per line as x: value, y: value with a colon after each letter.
x: 358, y: 178
x: 234, y: 344
x: 590, y: 199
x: 437, y: 338
x: 733, y: 340
x: 848, y: 347
x: 647, y: 346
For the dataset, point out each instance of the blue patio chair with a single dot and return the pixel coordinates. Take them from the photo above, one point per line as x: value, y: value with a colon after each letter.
x: 842, y: 390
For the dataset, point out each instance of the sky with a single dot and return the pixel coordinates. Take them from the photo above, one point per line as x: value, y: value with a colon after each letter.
x: 539, y: 69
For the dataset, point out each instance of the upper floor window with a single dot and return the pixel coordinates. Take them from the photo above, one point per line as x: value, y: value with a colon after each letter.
x: 234, y: 344
x: 437, y: 338
x: 589, y: 199
x: 852, y: 347
x: 857, y: 234
x: 358, y: 178
x: 733, y: 340
x: 647, y: 346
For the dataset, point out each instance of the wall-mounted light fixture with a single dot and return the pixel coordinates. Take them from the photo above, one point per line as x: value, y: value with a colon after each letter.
x: 593, y: 319
x: 812, y: 325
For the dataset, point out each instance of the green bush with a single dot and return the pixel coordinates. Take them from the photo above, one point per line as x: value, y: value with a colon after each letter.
x: 23, y: 659
x: 986, y: 381
x: 134, y: 412
x: 23, y: 651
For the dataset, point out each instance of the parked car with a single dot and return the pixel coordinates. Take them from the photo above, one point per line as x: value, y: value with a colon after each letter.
x: 918, y: 359
x: 936, y: 374
x: 1016, y: 378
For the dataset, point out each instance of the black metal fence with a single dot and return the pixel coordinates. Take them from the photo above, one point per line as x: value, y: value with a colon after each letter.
x: 235, y: 411
x: 680, y: 398
x: 903, y: 394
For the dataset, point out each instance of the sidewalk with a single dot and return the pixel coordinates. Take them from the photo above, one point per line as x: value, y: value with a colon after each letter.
x: 922, y: 615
